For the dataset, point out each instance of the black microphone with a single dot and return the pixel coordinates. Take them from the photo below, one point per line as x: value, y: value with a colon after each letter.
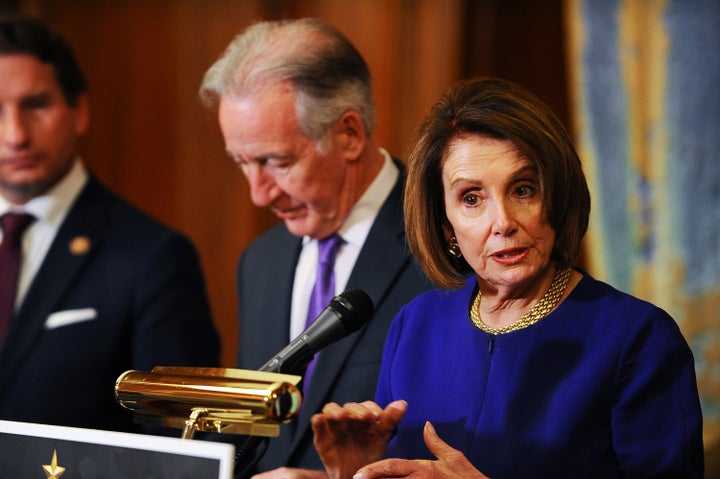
x: 346, y: 313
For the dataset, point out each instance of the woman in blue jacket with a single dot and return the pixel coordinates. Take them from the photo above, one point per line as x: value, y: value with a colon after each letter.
x: 522, y: 366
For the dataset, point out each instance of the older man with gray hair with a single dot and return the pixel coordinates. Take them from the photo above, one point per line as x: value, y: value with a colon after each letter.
x: 296, y: 110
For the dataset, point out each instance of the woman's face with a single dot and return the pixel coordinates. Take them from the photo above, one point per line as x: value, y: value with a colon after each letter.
x: 494, y: 204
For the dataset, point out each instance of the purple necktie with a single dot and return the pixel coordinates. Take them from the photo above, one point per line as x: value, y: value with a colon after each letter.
x: 13, y: 225
x: 324, y: 289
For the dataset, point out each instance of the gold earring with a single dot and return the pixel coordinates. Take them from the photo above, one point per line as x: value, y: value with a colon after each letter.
x: 454, y: 248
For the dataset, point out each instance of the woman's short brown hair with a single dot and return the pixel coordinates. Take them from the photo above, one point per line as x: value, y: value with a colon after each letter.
x: 504, y: 110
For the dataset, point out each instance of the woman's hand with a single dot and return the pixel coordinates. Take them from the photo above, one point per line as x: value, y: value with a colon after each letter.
x: 356, y: 434
x: 450, y: 463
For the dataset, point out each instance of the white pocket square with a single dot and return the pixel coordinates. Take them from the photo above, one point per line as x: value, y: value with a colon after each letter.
x: 71, y: 316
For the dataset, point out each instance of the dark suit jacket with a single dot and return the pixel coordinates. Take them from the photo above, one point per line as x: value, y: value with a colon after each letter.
x: 144, y: 284
x: 348, y: 369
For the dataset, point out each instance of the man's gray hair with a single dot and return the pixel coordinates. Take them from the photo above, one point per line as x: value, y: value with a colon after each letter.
x: 329, y: 74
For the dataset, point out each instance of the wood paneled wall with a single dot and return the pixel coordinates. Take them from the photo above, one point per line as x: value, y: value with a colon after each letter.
x: 152, y: 142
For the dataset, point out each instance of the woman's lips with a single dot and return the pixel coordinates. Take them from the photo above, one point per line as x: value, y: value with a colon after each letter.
x: 510, y: 255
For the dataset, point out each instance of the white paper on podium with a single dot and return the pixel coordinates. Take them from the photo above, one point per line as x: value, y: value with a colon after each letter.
x: 27, y: 451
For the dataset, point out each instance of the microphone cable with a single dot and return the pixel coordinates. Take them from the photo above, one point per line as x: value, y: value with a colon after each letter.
x: 248, y: 453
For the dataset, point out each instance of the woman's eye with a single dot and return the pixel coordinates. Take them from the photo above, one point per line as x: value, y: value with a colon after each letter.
x: 525, y: 191
x: 471, y: 199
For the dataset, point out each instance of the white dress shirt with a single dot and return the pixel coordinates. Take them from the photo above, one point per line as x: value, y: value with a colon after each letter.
x: 49, y: 210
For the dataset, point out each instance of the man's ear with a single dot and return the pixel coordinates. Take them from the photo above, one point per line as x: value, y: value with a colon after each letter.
x: 82, y: 114
x: 351, y: 135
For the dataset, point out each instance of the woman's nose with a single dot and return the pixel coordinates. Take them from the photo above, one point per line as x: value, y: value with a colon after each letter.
x: 503, y: 222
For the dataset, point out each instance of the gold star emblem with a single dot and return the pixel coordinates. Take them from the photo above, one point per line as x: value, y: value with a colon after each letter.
x: 53, y: 471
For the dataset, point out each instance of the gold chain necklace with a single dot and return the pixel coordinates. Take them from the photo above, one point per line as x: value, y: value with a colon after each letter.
x: 536, y: 313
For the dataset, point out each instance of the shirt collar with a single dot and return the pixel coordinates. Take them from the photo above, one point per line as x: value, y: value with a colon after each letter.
x: 52, y: 206
x: 357, y: 226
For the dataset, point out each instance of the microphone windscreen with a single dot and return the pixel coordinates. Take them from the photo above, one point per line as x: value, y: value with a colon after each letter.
x: 355, y: 307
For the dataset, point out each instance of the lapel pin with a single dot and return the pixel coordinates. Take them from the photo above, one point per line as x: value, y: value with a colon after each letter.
x: 79, y: 245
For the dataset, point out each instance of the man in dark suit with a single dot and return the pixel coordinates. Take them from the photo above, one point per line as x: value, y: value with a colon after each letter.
x: 297, y: 115
x: 102, y: 287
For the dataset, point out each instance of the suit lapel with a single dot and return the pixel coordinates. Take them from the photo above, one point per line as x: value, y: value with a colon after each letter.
x: 268, y: 266
x: 276, y: 267
x: 276, y: 332
x: 75, y: 243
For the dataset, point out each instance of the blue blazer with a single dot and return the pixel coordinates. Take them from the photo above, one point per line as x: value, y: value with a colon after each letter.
x: 348, y: 369
x: 602, y: 387
x: 131, y: 296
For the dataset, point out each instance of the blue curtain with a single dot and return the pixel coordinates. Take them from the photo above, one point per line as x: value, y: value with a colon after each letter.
x: 645, y: 77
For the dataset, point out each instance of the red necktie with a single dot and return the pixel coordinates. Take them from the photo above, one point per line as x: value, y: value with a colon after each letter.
x: 13, y: 225
x: 324, y: 288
